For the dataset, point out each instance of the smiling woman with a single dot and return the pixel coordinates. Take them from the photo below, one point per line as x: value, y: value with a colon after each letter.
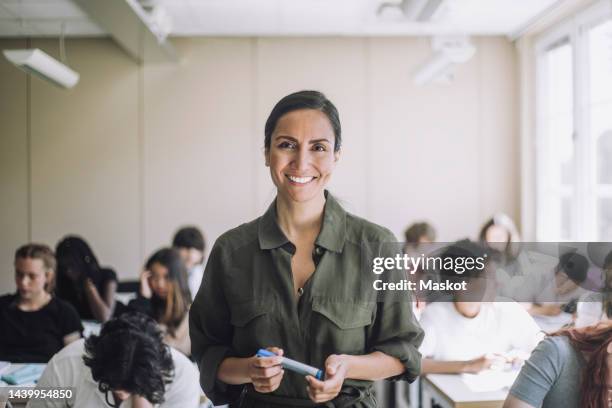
x: 291, y: 281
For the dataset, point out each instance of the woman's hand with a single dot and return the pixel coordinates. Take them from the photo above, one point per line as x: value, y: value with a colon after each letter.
x: 266, y: 373
x: 336, y: 369
x: 145, y: 288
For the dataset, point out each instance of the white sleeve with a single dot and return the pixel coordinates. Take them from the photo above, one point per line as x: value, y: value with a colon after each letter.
x: 588, y: 311
x: 50, y: 378
x: 524, y: 331
x: 428, y: 347
x: 184, y: 390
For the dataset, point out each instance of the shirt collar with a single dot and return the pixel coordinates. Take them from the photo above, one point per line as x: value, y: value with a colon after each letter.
x: 331, y: 237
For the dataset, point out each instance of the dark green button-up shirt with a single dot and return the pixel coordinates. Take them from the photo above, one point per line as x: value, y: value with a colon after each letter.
x: 246, y: 302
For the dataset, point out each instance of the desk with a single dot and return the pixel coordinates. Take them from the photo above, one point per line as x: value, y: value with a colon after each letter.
x: 4, y: 388
x: 451, y: 391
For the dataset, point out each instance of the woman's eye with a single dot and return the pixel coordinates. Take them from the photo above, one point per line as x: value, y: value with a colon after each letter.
x: 319, y: 148
x: 286, y: 145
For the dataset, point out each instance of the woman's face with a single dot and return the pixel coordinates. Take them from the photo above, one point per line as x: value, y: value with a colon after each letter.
x: 159, y: 282
x: 30, y: 277
x: 301, y: 155
x: 497, y: 237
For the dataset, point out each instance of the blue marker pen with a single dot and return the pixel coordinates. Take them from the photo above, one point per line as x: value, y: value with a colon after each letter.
x: 293, y: 365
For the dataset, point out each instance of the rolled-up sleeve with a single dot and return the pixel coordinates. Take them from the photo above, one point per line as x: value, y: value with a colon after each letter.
x: 396, y: 333
x: 211, y: 332
x: 395, y: 330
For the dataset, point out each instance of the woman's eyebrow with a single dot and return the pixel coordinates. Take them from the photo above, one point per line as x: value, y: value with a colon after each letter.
x: 319, y: 141
x: 287, y: 137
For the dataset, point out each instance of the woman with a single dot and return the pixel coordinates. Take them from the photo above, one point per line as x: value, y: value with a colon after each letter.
x: 571, y: 368
x: 292, y: 281
x: 35, y: 324
x: 82, y: 282
x: 164, y: 295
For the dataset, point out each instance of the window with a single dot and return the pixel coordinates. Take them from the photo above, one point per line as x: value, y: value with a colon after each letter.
x: 574, y: 129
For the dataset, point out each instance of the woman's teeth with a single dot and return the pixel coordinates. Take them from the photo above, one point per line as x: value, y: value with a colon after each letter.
x: 301, y: 180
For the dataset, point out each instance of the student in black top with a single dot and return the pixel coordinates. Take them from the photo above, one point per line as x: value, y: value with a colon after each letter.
x: 34, y: 324
x: 164, y: 295
x: 82, y: 282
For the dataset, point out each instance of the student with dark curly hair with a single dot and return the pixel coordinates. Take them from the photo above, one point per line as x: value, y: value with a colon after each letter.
x: 82, y: 282
x: 127, y: 365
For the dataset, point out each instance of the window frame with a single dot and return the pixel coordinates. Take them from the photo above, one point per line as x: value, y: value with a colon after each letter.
x: 584, y: 215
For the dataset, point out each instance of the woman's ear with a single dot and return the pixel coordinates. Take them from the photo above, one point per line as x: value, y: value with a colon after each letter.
x: 337, y: 155
x: 610, y: 348
x: 267, y: 157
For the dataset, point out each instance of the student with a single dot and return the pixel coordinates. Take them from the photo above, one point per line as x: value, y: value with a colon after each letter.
x: 35, y: 324
x: 164, y: 295
x: 190, y: 243
x: 419, y: 233
x: 291, y: 280
x: 597, y: 306
x: 500, y: 238
x: 82, y: 282
x: 475, y: 329
x: 127, y: 365
x: 555, y: 294
x: 571, y: 369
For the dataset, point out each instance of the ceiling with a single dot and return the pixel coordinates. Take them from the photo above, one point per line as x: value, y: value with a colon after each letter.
x: 19, y: 18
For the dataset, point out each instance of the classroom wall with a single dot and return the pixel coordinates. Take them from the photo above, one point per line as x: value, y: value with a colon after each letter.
x: 133, y: 152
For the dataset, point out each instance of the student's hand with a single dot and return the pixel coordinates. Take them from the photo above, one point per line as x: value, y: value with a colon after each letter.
x: 335, y: 372
x: 145, y: 288
x: 479, y: 364
x: 266, y: 373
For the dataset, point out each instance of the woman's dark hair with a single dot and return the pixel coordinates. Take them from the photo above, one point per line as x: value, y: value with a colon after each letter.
x: 189, y: 237
x: 129, y: 355
x: 593, y: 342
x: 574, y: 265
x: 304, y: 100
x: 607, y: 290
x: 176, y: 305
x: 73, y: 253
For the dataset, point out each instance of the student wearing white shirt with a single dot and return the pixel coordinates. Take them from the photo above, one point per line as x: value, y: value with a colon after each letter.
x: 127, y: 365
x: 597, y: 306
x: 463, y: 335
x: 190, y: 243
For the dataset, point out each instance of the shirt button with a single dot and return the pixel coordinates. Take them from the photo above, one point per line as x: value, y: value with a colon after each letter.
x: 300, y: 291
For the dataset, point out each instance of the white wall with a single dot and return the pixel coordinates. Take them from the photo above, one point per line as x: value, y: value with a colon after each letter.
x: 132, y: 153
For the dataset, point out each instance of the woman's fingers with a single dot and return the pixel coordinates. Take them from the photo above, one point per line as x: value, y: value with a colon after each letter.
x: 268, y: 384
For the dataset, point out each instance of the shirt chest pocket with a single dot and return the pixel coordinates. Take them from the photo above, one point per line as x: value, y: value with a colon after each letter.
x: 252, y: 324
x: 340, y: 327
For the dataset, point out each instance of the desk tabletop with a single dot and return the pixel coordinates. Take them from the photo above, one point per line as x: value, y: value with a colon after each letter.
x: 461, y: 388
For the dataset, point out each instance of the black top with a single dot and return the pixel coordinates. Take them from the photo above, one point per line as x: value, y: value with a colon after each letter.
x: 34, y: 337
x: 75, y: 294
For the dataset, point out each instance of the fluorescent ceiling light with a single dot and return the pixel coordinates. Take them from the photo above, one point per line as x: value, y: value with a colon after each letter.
x: 415, y: 10
x: 35, y: 61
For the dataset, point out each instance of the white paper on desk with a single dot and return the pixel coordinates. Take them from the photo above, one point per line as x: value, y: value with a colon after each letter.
x: 490, y: 380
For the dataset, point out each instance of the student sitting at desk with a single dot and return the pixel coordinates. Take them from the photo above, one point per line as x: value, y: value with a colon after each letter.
x: 571, y: 368
x: 190, y: 244
x: 35, y: 324
x: 463, y: 335
x: 555, y: 293
x: 164, y: 295
x: 81, y: 280
x: 127, y: 365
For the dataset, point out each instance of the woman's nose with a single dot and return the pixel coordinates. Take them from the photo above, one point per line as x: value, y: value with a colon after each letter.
x: 301, y: 160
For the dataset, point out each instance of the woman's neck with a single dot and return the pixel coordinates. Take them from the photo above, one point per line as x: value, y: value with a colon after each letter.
x: 35, y: 303
x: 299, y: 218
